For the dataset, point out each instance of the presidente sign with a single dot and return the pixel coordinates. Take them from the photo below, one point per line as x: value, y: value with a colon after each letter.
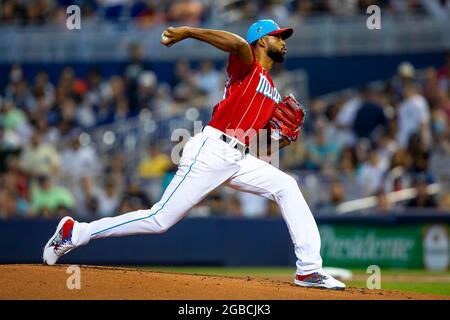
x: 360, y: 246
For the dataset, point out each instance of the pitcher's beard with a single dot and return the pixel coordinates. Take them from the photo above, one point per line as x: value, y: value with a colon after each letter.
x: 276, y: 56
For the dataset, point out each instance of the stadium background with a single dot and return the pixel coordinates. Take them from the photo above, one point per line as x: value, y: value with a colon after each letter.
x: 86, y: 120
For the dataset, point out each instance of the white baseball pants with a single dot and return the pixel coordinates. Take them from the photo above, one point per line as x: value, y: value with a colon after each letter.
x: 206, y: 163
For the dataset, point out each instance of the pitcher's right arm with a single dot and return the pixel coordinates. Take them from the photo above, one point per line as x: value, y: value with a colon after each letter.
x: 223, y: 40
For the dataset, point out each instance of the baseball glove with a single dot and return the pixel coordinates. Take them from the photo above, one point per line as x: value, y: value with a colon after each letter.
x: 287, y: 119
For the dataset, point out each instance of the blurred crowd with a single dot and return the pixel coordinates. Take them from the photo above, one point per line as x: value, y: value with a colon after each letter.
x: 48, y: 165
x: 388, y: 136
x: 150, y: 12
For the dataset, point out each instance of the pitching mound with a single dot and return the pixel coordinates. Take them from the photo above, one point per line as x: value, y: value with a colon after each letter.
x: 44, y: 282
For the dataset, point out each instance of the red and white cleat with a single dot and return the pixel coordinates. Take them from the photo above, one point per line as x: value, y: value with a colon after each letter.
x: 319, y: 279
x: 60, y: 243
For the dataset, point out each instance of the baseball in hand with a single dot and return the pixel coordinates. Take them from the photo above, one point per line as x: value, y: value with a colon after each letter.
x: 164, y: 38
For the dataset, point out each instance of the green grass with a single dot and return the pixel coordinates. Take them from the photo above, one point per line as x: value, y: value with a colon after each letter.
x: 436, y: 287
x: 420, y: 287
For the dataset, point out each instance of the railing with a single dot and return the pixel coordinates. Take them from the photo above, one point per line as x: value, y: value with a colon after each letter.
x: 392, y: 197
x: 313, y: 36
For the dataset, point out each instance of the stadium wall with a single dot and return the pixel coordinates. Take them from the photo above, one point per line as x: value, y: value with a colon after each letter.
x: 389, y: 241
x: 325, y: 74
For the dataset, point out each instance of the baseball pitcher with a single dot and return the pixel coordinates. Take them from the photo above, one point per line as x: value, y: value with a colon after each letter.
x: 220, y: 154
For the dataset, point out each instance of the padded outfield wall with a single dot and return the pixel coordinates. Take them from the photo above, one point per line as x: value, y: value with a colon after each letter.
x: 389, y: 241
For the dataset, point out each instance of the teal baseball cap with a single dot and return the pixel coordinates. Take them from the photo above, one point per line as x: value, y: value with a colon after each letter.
x: 264, y: 27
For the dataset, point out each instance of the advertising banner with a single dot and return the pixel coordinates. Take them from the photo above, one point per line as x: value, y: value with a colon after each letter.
x: 399, y: 246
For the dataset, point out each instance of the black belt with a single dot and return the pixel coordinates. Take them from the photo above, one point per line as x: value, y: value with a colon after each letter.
x: 239, y: 145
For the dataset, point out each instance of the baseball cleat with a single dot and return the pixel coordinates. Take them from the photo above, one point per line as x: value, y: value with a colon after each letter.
x: 319, y: 279
x: 60, y: 243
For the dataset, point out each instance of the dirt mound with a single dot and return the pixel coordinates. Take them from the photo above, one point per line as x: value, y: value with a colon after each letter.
x: 44, y: 282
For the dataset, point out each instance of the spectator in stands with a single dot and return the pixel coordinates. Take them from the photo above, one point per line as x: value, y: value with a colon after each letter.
x: 430, y: 86
x: 115, y: 169
x: 370, y: 119
x: 422, y: 198
x: 210, y: 81
x: 113, y: 93
x: 347, y: 163
x: 442, y: 104
x: 439, y: 123
x: 185, y: 89
x: 163, y: 103
x: 39, y: 158
x: 181, y: 73
x: 69, y: 86
x: 90, y: 101
x: 49, y: 200
x: 152, y: 169
x: 405, y: 7
x: 444, y: 74
x: 420, y: 155
x: 43, y: 85
x: 413, y: 116
x: 293, y: 158
x: 77, y: 162
x: 133, y: 198
x: 321, y: 153
x: 345, y: 119
x: 87, y: 204
x: 188, y: 12
x: 131, y: 72
x: 342, y: 7
x: 406, y: 74
x: 121, y: 111
x: 316, y: 113
x: 274, y: 9
x: 383, y: 204
x: 95, y: 88
x: 13, y: 190
x: 107, y: 199
x: 147, y: 90
x: 147, y: 13
x: 371, y: 174
x: 301, y: 8
x: 19, y: 91
x: 15, y: 178
x: 336, y: 195
x: 12, y: 12
x: 239, y: 10
x: 401, y: 160
x: 8, y: 209
x: 155, y: 164
x: 440, y: 156
x: 67, y: 121
x: 16, y: 128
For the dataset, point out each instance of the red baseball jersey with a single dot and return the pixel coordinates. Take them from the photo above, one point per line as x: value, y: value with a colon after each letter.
x: 249, y: 100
